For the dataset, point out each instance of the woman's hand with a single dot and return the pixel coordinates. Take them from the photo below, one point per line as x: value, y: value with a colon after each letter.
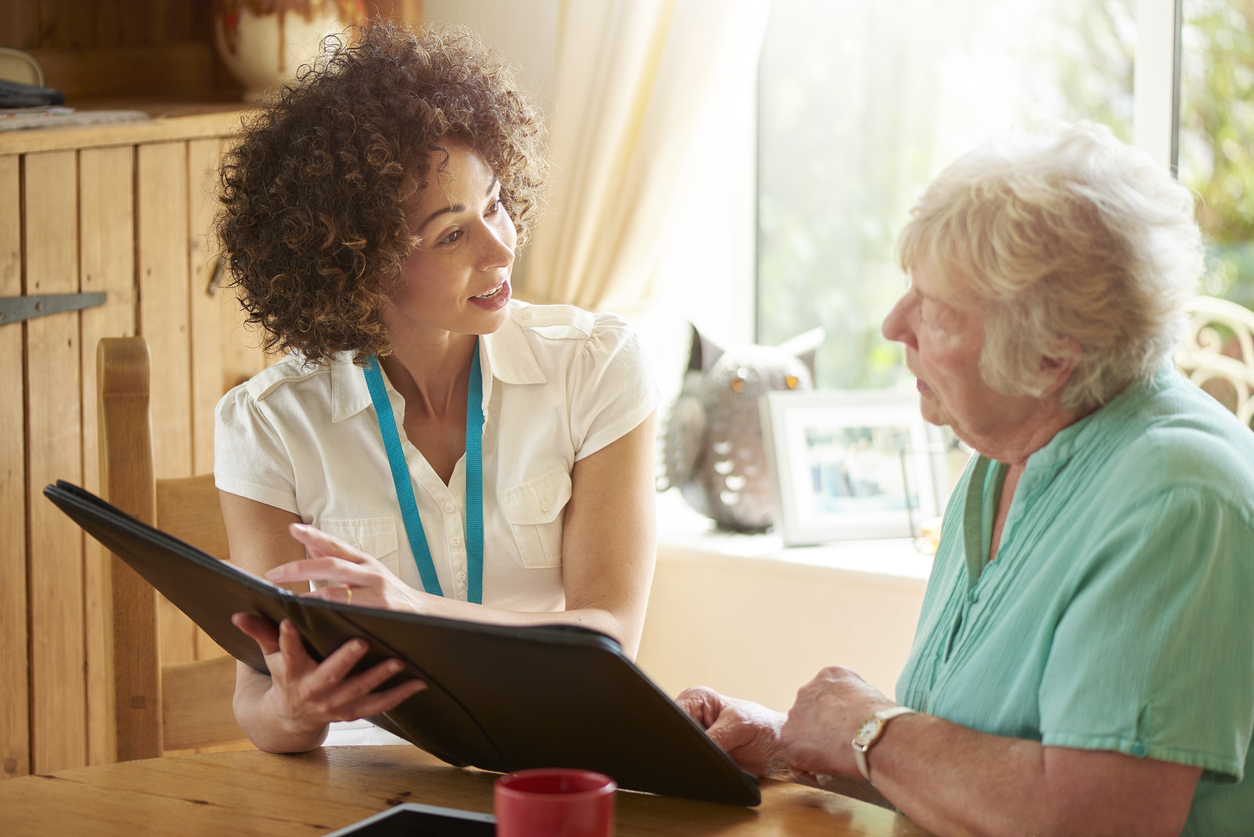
x: 359, y: 579
x: 305, y: 696
x: 821, y: 724
x: 746, y: 731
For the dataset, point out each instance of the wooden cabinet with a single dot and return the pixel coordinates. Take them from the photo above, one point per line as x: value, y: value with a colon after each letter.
x: 125, y: 210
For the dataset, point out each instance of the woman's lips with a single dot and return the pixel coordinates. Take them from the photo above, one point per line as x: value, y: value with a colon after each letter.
x: 920, y: 386
x: 494, y: 299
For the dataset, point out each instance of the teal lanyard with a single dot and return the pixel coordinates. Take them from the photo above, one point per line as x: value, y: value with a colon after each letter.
x: 405, y: 489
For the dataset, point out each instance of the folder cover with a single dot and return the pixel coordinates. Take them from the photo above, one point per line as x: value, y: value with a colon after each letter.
x: 497, y: 698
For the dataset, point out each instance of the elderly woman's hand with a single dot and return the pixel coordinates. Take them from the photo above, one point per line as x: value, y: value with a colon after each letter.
x: 746, y: 731
x: 357, y: 578
x: 821, y: 724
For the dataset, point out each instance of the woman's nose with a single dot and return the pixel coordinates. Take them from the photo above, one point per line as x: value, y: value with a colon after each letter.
x: 896, y: 326
x: 498, y: 247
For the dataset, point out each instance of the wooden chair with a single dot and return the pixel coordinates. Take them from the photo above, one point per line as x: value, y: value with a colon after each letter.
x: 156, y: 707
x: 1218, y: 353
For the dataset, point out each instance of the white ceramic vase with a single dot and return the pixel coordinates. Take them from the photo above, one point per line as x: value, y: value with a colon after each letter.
x: 264, y: 42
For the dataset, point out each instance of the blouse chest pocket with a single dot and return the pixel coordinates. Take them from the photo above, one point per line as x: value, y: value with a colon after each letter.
x: 535, y: 514
x: 375, y: 536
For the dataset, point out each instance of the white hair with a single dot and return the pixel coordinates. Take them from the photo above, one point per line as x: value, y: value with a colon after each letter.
x: 1064, y: 234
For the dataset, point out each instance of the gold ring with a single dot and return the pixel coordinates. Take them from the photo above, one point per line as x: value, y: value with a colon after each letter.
x: 349, y: 592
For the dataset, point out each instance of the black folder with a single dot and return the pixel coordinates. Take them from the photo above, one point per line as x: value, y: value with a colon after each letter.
x: 497, y: 698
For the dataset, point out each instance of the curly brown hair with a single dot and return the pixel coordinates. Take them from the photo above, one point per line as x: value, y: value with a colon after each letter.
x: 311, y: 224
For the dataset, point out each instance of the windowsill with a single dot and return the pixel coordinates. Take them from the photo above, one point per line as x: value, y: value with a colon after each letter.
x: 682, y: 531
x: 748, y: 617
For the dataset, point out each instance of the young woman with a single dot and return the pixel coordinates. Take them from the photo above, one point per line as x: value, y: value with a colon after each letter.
x: 428, y: 444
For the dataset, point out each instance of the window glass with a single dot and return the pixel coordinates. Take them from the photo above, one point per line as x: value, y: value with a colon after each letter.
x: 1216, y: 143
x: 862, y: 102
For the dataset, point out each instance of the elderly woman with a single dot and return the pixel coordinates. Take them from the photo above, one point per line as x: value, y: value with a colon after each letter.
x: 428, y: 444
x: 1084, y: 660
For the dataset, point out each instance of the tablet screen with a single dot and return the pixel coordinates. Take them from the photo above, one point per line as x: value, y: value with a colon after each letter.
x: 414, y: 820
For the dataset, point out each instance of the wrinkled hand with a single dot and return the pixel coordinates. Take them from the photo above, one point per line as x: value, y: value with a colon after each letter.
x: 821, y: 724
x: 304, y: 695
x: 746, y: 731
x: 358, y: 578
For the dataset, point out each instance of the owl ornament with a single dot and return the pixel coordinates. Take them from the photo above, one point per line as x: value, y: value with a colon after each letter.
x: 713, y: 448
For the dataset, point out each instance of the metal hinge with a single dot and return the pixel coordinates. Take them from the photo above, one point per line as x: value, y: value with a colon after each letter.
x: 17, y: 308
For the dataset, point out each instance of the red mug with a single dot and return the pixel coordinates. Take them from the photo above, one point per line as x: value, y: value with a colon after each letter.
x: 554, y: 802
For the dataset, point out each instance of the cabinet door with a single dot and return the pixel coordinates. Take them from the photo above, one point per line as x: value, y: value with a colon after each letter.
x: 54, y: 451
x: 14, y: 705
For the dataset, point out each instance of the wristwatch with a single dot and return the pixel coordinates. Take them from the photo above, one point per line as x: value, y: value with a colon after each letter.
x: 869, y: 733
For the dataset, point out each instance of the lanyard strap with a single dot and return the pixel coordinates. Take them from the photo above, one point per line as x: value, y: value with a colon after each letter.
x: 405, y: 489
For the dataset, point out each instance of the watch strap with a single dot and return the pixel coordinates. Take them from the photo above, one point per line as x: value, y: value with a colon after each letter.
x: 882, y: 717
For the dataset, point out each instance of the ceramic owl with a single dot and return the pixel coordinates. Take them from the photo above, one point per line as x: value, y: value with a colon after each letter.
x: 713, y: 442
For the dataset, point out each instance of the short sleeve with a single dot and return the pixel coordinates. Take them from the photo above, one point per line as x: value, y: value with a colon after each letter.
x: 249, y: 458
x: 1154, y: 656
x: 612, y: 389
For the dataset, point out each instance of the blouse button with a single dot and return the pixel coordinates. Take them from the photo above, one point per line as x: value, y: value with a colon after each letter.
x: 356, y: 544
x: 455, y: 541
x: 461, y: 577
x: 449, y: 508
x: 544, y: 505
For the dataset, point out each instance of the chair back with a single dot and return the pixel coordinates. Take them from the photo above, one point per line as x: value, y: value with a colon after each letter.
x: 1218, y: 353
x: 156, y: 707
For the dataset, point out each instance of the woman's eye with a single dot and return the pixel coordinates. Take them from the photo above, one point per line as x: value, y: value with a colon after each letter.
x: 451, y: 237
x: 494, y: 207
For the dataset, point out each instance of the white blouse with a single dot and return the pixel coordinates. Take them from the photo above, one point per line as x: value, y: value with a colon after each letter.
x: 559, y: 384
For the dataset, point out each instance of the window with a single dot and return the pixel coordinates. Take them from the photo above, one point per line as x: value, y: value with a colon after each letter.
x: 862, y: 102
x: 1216, y: 137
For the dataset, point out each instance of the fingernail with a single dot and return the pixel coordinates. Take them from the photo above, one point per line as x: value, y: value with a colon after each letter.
x: 395, y: 666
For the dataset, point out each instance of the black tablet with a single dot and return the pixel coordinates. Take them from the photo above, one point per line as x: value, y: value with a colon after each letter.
x: 411, y: 819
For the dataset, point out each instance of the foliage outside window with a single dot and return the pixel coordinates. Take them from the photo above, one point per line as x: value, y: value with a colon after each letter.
x: 1217, y: 137
x: 862, y: 102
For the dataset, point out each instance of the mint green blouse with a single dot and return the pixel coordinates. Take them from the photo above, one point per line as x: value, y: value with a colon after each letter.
x: 1119, y: 612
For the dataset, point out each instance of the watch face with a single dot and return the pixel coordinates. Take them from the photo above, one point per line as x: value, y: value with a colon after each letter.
x: 866, y: 732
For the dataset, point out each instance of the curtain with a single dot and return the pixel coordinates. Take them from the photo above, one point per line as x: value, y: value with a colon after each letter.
x: 632, y: 77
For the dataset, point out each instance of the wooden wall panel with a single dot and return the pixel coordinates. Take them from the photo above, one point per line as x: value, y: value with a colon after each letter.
x: 161, y: 210
x: 14, y: 696
x: 67, y: 23
x: 242, y: 356
x: 19, y: 23
x: 58, y: 719
x: 107, y: 263
x: 162, y: 246
x: 171, y: 71
x: 206, y: 338
x: 112, y: 25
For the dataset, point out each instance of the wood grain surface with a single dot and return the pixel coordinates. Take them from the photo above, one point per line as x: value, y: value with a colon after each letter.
x: 106, y: 263
x: 14, y: 670
x: 247, y: 793
x: 54, y: 422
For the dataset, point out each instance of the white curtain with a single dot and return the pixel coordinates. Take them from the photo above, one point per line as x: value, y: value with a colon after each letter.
x: 632, y: 81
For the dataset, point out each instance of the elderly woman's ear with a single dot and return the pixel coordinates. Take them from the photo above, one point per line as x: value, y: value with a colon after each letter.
x: 1056, y: 368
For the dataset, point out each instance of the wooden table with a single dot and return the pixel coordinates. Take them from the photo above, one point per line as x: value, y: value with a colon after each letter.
x: 250, y: 792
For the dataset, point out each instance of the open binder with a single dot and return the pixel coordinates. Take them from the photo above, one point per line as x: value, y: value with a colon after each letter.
x: 497, y: 698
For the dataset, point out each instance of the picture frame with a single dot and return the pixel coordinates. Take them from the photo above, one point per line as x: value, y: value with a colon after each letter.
x: 851, y: 465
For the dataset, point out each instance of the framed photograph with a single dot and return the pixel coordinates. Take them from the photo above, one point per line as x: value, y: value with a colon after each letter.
x: 851, y: 465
